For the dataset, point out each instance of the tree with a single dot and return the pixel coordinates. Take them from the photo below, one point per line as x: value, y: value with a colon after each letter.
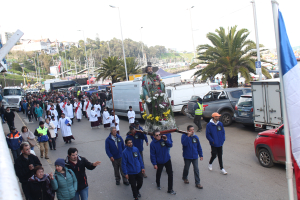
x: 132, y: 68
x: 16, y: 66
x: 109, y: 69
x: 29, y: 65
x: 228, y: 55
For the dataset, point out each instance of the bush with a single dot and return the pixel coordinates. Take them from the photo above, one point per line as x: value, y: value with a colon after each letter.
x: 16, y: 66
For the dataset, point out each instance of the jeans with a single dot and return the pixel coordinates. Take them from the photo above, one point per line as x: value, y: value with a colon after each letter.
x: 214, y: 152
x: 44, y: 146
x: 197, y: 121
x: 169, y: 169
x: 10, y: 124
x: 136, y: 182
x: 16, y: 153
x: 2, y: 116
x: 117, y: 169
x: 52, y: 144
x: 84, y: 194
x: 187, y: 163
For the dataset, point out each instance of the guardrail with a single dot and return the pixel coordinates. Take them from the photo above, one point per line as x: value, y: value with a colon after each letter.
x: 9, y: 186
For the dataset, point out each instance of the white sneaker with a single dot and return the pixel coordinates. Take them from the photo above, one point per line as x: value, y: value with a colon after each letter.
x: 210, y: 167
x: 223, y: 171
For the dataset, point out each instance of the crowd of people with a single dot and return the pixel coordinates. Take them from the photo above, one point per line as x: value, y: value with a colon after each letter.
x: 69, y: 180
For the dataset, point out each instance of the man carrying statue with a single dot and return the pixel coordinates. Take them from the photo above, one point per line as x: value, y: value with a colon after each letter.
x: 158, y: 112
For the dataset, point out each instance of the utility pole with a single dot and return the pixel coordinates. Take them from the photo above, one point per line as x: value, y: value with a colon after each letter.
x: 143, y: 62
x: 75, y: 67
x: 108, y: 48
x: 192, y: 31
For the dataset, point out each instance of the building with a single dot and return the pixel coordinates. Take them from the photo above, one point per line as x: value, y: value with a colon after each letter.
x: 34, y: 45
x: 5, y: 36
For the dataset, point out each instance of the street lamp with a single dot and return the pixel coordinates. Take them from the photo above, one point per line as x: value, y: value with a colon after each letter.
x: 122, y: 41
x: 142, y: 44
x: 86, y: 61
x: 192, y: 31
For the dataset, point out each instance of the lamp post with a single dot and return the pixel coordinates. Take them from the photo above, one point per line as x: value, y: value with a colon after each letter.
x: 108, y: 48
x: 142, y: 45
x: 86, y: 61
x: 122, y: 41
x: 192, y: 31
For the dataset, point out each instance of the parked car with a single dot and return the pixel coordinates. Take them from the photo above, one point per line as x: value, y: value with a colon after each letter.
x: 244, y: 110
x: 269, y: 147
x: 223, y: 102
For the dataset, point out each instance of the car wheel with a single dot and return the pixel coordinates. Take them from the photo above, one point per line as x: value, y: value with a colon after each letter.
x: 226, y: 118
x: 206, y: 119
x: 184, y: 110
x: 265, y: 158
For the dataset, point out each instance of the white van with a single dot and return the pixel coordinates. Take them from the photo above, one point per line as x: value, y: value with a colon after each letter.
x: 125, y: 94
x: 180, y: 95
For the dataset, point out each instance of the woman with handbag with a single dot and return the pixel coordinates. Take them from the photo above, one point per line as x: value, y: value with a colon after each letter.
x: 28, y: 136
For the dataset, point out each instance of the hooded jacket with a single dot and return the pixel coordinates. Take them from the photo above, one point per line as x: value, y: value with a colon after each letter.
x: 191, y: 147
x: 138, y: 140
x: 14, y: 140
x: 79, y: 170
x: 215, y: 133
x: 38, y: 111
x: 132, y: 162
x: 111, y: 148
x: 159, y: 152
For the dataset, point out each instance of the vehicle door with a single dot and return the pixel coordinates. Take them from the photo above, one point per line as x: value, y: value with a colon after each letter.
x: 235, y: 95
x: 278, y: 145
x: 273, y: 104
x: 259, y: 103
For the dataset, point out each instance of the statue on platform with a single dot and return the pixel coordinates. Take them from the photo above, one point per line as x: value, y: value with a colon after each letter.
x: 158, y: 111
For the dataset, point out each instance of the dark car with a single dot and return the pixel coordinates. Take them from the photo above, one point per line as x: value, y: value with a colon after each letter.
x: 244, y: 110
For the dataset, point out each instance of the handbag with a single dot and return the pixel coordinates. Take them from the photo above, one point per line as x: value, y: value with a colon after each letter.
x: 32, y: 142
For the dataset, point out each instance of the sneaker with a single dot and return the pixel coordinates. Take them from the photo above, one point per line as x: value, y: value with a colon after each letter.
x: 210, y: 167
x: 145, y: 176
x: 117, y: 182
x: 199, y: 186
x: 139, y: 195
x: 48, y: 158
x: 172, y: 192
x: 126, y: 183
x: 185, y: 181
x: 223, y: 171
x: 199, y: 130
x: 158, y: 187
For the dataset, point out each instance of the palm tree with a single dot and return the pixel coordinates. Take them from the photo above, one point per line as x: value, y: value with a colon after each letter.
x: 109, y: 69
x: 132, y: 68
x: 228, y: 55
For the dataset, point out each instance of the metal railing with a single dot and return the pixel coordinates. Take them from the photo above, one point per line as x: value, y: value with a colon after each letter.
x: 9, y: 186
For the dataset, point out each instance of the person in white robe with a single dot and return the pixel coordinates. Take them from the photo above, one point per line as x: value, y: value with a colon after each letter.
x: 54, y: 112
x: 88, y: 106
x: 69, y: 111
x: 94, y: 118
x: 78, y: 110
x: 65, y: 127
x: 131, y: 115
x: 63, y: 106
x: 55, y: 122
x: 50, y: 126
x: 98, y: 110
x: 106, y: 118
x: 114, y: 121
x: 84, y: 107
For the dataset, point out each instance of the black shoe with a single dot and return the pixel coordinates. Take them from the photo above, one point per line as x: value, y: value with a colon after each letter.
x: 158, y: 187
x: 70, y: 141
x: 50, y: 149
x: 54, y: 148
x: 199, y: 130
x: 66, y: 142
x: 139, y: 195
x: 172, y: 192
x: 117, y: 182
x: 126, y: 183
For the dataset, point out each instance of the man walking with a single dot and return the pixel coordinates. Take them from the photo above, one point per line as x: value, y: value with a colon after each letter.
x: 78, y: 164
x: 24, y: 166
x: 9, y: 117
x: 131, y: 115
x: 43, y: 136
x: 133, y: 167
x: 160, y: 157
x: 191, y: 150
x: 215, y: 134
x: 114, y: 146
x: 65, y: 124
x: 198, y: 107
x: 14, y: 140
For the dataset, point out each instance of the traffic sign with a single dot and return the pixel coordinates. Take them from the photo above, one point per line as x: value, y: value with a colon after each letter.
x: 258, y: 64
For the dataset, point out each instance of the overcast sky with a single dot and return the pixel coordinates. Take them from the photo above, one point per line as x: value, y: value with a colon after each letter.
x: 164, y: 22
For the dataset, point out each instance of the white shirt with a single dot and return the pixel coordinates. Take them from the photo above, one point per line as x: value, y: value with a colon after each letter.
x: 98, y: 109
x: 93, y: 117
x: 131, y: 116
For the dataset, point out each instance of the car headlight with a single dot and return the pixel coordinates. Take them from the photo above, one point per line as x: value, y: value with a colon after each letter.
x: 257, y: 136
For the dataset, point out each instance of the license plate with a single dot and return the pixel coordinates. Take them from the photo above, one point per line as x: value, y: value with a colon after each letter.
x: 243, y: 114
x: 269, y: 127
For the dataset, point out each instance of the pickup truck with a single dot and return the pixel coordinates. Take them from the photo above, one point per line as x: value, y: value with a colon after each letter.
x: 223, y: 102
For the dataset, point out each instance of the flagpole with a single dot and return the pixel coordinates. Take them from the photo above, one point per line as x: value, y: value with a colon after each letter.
x: 289, y: 168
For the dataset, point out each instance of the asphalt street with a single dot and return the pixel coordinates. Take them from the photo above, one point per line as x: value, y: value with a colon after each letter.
x: 246, y: 178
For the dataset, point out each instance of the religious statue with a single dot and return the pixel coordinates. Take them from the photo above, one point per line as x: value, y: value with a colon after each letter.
x: 158, y: 111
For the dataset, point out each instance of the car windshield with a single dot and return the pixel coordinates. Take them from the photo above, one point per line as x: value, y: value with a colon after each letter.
x: 212, y: 95
x: 216, y: 87
x: 194, y: 98
x: 245, y: 102
x: 8, y: 92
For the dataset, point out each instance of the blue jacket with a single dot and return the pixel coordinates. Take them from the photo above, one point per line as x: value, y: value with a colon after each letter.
x: 138, y: 140
x: 14, y: 140
x: 159, y: 151
x: 39, y: 111
x: 215, y: 134
x: 111, y: 148
x: 169, y: 137
x: 132, y: 162
x: 25, y: 105
x: 191, y: 147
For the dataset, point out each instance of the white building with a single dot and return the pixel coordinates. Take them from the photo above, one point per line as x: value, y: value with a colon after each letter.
x: 5, y: 36
x: 34, y: 45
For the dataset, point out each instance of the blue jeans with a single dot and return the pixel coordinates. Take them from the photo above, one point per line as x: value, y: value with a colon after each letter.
x: 84, y: 194
x: 187, y: 163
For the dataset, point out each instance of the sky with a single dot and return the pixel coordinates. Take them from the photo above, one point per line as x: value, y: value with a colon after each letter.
x: 164, y: 22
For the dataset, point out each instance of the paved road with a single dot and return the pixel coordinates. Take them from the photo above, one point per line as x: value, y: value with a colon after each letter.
x: 246, y: 179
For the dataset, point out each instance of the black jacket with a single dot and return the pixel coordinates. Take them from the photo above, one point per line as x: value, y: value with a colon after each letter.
x: 38, y: 190
x: 79, y: 170
x: 9, y: 117
x: 2, y: 110
x: 22, y: 167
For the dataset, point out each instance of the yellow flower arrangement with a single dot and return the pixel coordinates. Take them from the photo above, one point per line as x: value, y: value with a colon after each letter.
x: 157, y: 118
x: 149, y: 116
x: 144, y: 116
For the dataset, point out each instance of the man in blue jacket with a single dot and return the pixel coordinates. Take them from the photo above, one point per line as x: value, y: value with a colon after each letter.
x: 43, y: 137
x: 215, y: 134
x: 160, y: 157
x: 114, y: 146
x: 133, y: 167
x: 191, y: 149
x: 137, y: 140
x: 14, y: 140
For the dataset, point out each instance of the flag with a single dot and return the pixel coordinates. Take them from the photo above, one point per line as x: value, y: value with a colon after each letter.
x: 59, y: 65
x: 291, y: 77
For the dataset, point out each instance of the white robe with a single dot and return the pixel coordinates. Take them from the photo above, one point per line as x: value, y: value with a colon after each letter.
x: 106, y: 117
x: 84, y: 105
x: 69, y: 111
x: 131, y: 114
x: 48, y: 107
x: 61, y: 107
x: 55, y: 124
x: 93, y: 116
x: 78, y: 114
x: 55, y: 113
x: 98, y: 109
x: 117, y: 121
x: 52, y: 129
x: 65, y: 130
x: 88, y: 110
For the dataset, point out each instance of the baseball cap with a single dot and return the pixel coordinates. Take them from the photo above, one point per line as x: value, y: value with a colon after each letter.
x: 215, y: 114
x: 136, y: 122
